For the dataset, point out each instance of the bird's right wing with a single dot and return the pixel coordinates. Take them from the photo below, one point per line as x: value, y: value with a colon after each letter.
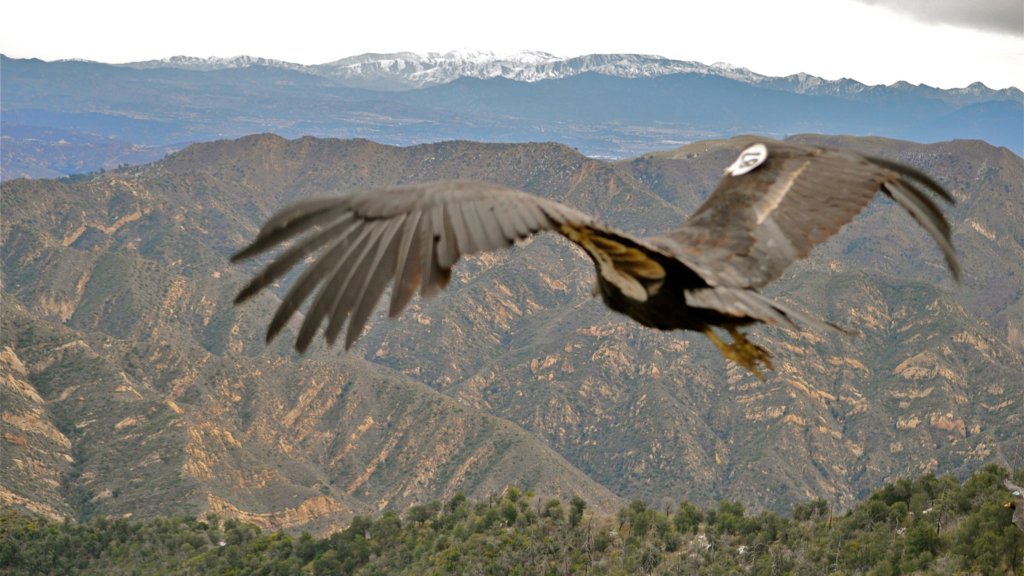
x: 409, y: 234
x: 779, y: 200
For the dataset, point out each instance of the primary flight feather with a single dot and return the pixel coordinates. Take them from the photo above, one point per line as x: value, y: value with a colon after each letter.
x: 774, y: 203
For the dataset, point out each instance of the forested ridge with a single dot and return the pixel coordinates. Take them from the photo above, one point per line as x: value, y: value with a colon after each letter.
x: 928, y: 525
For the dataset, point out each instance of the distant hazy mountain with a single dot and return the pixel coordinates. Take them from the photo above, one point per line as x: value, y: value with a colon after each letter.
x: 132, y: 385
x: 408, y: 70
x: 74, y: 116
x: 213, y: 63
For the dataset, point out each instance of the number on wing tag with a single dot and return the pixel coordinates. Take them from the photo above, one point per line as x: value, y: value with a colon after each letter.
x: 749, y: 159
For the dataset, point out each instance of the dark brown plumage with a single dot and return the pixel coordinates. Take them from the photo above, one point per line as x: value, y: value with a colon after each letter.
x: 772, y: 206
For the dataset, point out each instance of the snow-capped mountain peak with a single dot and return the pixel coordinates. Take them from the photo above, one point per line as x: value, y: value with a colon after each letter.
x: 410, y: 70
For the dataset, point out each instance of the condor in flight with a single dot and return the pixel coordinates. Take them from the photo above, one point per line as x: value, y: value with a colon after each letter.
x: 774, y: 203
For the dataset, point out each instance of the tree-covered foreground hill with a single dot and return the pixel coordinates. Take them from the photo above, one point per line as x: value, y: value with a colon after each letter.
x: 928, y: 525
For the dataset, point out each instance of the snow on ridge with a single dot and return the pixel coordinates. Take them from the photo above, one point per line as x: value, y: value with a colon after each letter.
x: 410, y: 70
x: 487, y: 57
x: 212, y: 63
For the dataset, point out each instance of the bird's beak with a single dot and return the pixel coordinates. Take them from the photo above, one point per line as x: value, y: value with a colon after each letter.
x: 1008, y: 504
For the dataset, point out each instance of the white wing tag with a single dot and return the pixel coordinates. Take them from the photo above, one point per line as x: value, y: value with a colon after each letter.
x: 749, y: 159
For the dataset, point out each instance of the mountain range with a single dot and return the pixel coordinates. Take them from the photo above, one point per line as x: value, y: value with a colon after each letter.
x: 68, y: 117
x: 133, y: 387
x: 409, y: 70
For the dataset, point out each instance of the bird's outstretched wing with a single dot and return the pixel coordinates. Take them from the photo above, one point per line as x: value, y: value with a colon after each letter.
x: 410, y: 234
x: 778, y: 200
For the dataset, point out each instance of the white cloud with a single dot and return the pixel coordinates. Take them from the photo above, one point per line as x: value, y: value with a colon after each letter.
x: 1003, y: 16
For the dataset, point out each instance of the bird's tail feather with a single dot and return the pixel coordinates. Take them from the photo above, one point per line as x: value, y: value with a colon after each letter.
x: 749, y: 304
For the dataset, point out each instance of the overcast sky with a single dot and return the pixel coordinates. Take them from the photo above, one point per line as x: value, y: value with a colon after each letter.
x: 943, y: 43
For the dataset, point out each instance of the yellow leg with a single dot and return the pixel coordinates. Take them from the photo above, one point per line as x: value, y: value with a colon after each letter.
x: 741, y: 351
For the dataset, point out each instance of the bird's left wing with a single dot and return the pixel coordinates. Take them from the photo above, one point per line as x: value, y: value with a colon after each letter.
x: 778, y: 200
x: 410, y: 234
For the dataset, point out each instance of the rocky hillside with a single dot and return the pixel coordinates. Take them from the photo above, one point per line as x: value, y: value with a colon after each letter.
x: 131, y: 385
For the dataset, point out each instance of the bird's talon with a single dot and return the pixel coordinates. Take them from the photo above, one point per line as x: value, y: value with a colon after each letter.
x: 742, y: 351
